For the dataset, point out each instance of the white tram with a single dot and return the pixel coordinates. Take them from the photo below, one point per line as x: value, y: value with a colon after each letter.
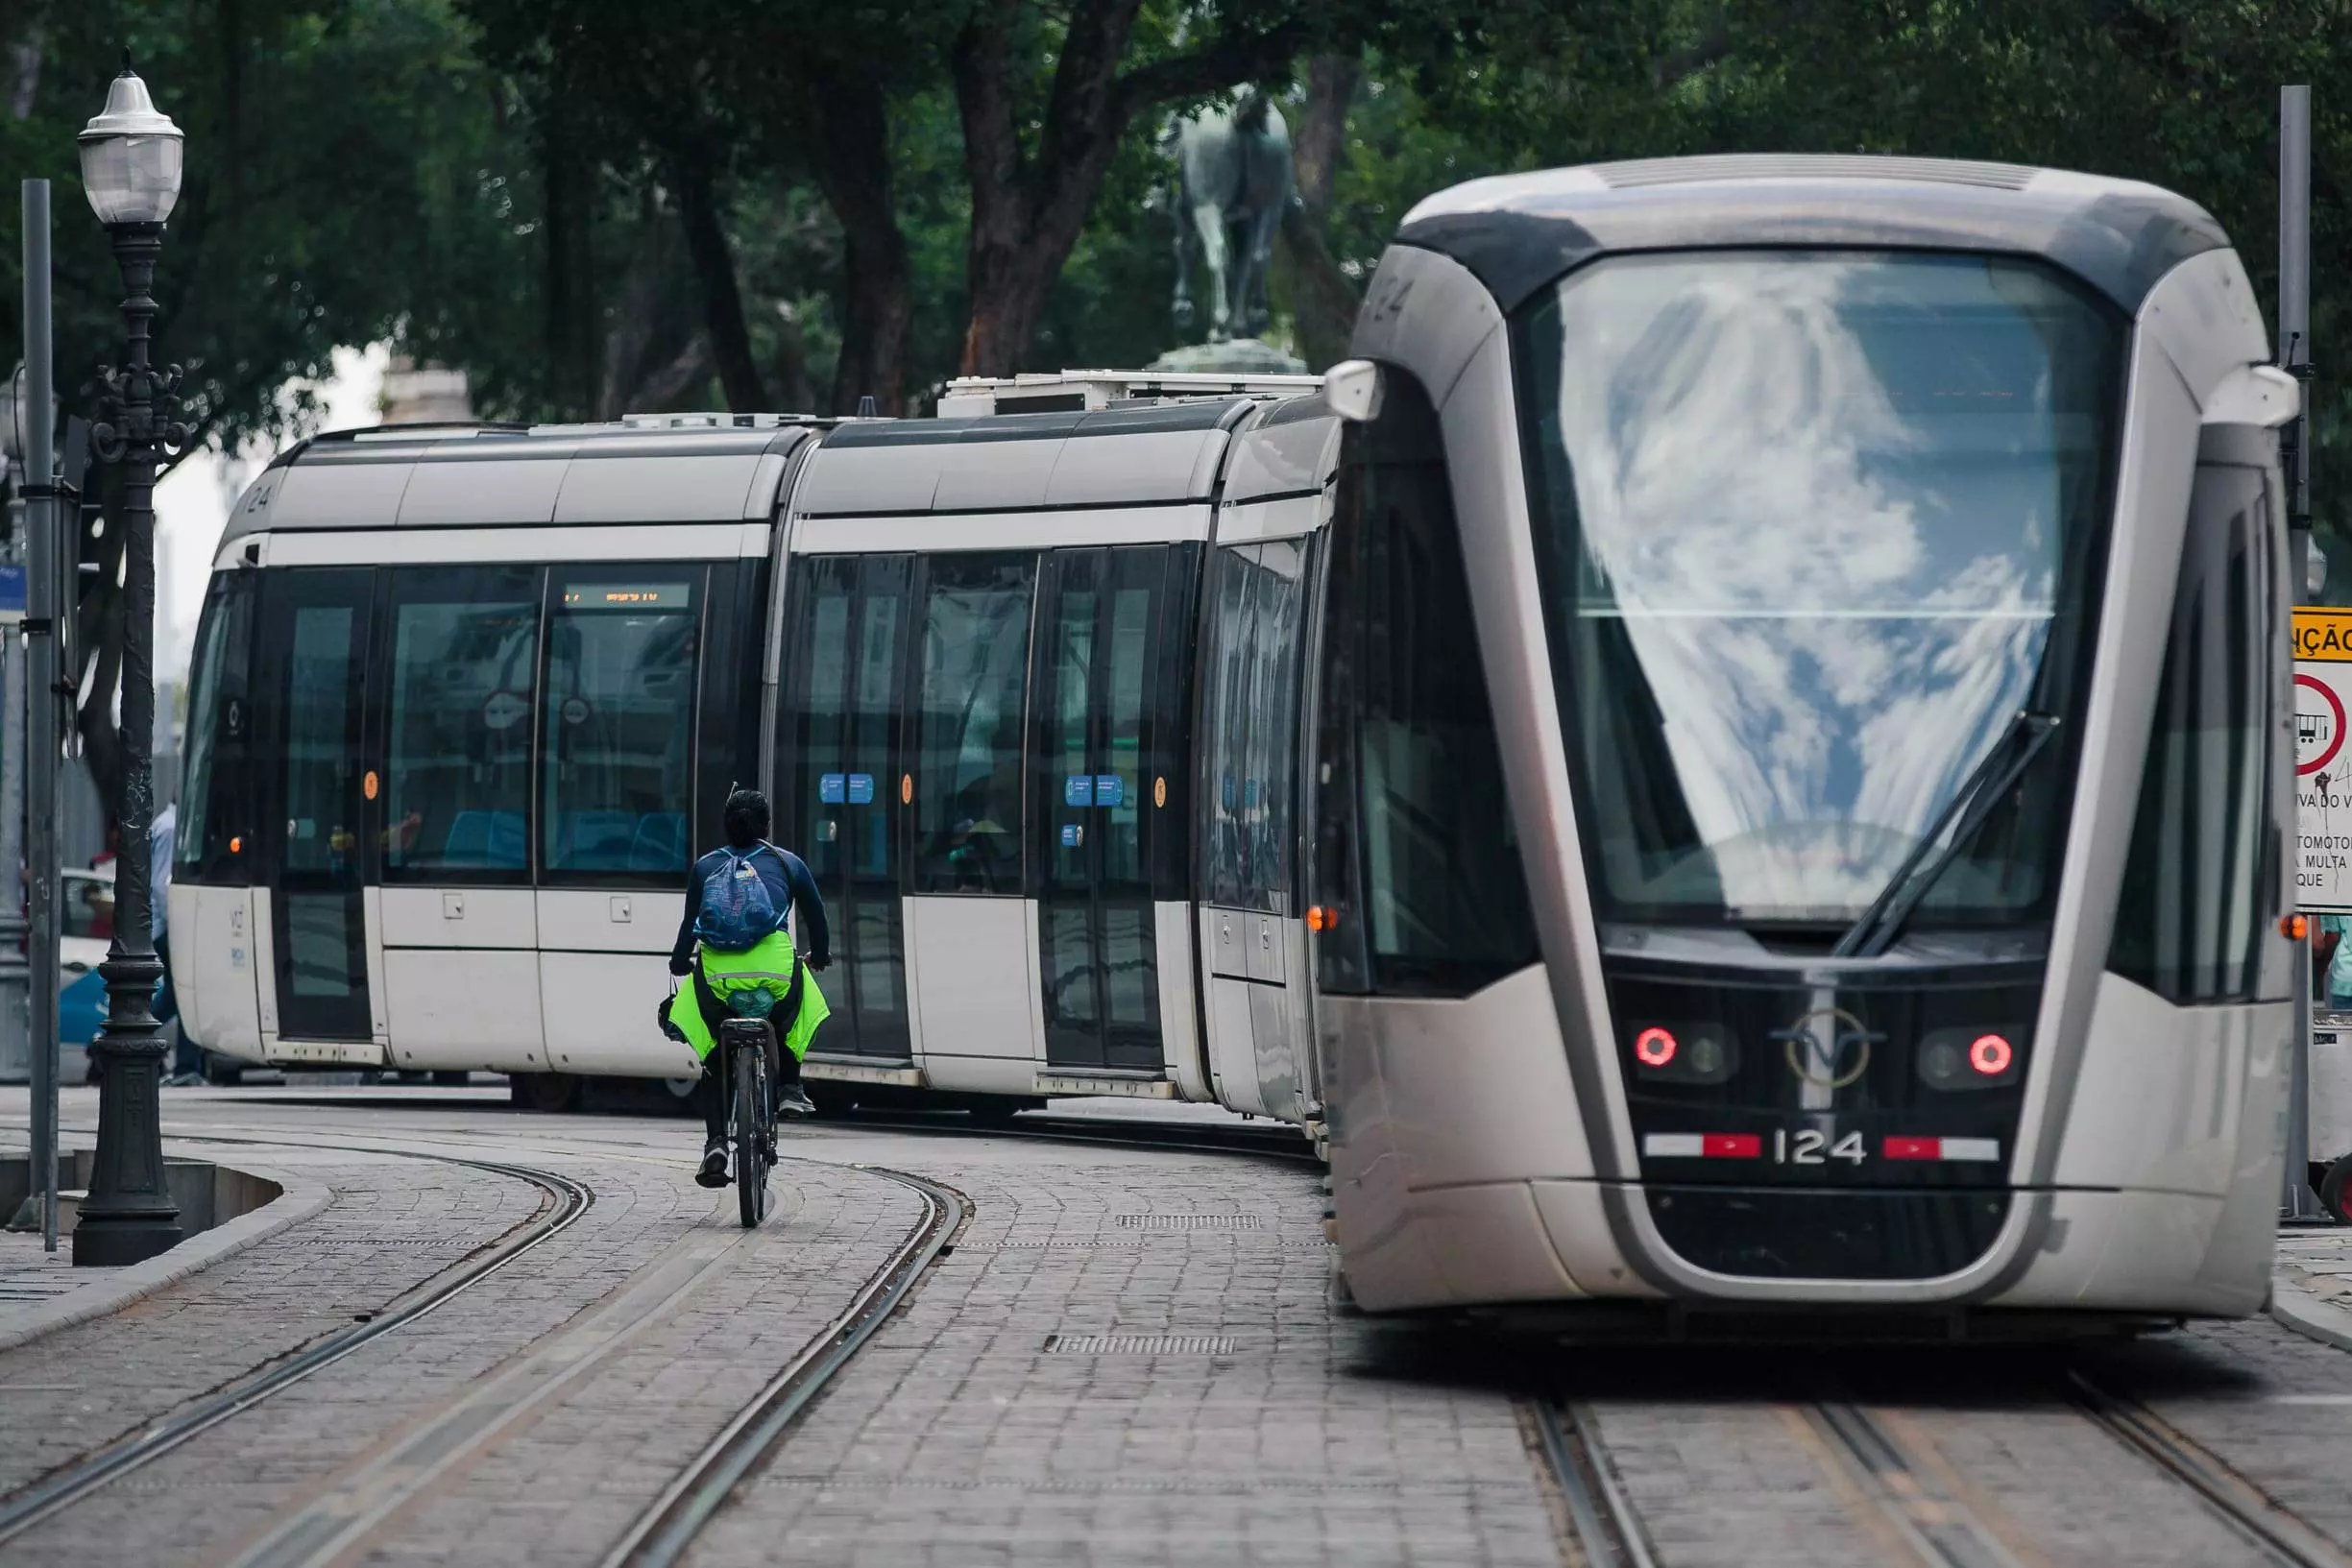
x: 467, y: 701
x: 1738, y: 756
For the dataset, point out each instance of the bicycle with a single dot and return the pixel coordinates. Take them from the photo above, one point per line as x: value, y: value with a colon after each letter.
x: 751, y: 1112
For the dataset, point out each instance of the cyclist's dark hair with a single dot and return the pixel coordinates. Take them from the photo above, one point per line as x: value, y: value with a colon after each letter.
x: 745, y: 818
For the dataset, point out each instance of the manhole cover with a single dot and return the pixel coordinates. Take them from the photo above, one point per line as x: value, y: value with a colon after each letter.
x: 1188, y: 1222
x: 1139, y: 1345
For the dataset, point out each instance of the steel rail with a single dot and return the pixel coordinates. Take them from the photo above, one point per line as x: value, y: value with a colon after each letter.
x: 2265, y: 1523
x: 63, y: 1487
x: 1606, y: 1527
x: 662, y: 1533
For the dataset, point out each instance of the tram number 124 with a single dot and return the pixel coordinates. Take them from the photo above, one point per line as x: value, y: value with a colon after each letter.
x: 1811, y: 1147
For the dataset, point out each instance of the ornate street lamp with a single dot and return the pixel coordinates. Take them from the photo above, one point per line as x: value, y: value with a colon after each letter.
x: 130, y: 168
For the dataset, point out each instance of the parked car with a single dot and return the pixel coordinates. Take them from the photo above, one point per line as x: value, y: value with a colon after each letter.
x: 86, y: 926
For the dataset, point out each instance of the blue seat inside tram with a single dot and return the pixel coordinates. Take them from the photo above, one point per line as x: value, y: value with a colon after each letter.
x: 620, y: 841
x: 493, y: 840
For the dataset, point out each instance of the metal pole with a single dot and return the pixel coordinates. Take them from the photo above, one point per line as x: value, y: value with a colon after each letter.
x: 2298, y: 1201
x: 129, y: 1214
x: 40, y: 750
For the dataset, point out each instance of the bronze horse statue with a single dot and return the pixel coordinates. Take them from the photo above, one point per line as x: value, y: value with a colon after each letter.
x: 1233, y: 173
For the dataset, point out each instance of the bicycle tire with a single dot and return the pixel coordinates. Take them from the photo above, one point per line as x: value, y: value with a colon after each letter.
x: 750, y: 1164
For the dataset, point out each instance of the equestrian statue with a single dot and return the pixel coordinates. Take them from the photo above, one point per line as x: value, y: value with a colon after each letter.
x: 1233, y: 174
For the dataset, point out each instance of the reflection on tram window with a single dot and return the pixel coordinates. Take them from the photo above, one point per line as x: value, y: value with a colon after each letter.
x: 318, y: 741
x: 1250, y: 716
x: 458, y: 779
x: 1415, y: 848
x: 2188, y: 926
x: 1816, y: 526
x: 212, y: 793
x: 618, y: 711
x: 967, y: 766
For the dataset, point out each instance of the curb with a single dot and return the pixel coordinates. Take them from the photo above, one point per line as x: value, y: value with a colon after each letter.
x: 298, y: 1200
x: 2310, y: 1315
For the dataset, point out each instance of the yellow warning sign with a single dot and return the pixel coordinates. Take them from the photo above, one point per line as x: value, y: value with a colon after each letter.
x: 2322, y: 763
x: 2323, y: 635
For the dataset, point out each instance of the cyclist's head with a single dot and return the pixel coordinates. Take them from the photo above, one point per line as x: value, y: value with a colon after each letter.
x: 745, y: 818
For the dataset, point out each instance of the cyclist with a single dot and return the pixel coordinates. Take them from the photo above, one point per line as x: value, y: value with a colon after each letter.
x: 735, y: 939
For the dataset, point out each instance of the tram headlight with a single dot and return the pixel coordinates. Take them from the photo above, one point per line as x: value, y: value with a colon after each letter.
x: 1970, y: 1056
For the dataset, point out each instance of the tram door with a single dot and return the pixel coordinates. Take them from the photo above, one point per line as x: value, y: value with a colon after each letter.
x: 1103, y: 813
x: 852, y: 621
x: 312, y: 655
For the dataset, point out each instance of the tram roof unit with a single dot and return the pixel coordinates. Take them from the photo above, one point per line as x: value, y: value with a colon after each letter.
x: 642, y: 469
x: 1142, y: 452
x: 1067, y: 391
x: 1518, y: 232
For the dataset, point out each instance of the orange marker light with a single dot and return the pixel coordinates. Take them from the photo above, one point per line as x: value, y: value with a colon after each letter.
x: 2294, y: 928
x: 1991, y: 1056
x: 236, y: 846
x: 1654, y: 1046
x: 1321, y: 919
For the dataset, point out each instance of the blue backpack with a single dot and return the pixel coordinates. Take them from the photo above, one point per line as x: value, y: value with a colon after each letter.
x: 738, y: 914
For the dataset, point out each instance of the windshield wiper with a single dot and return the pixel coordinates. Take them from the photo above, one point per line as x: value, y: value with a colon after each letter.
x: 1876, y: 929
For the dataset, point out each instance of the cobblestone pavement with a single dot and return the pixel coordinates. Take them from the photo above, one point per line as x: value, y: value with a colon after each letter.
x: 1127, y: 1358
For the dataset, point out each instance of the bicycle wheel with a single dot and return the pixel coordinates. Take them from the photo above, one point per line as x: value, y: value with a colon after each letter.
x: 750, y: 1117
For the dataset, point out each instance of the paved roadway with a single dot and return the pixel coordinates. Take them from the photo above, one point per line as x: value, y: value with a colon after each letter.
x: 1127, y: 1357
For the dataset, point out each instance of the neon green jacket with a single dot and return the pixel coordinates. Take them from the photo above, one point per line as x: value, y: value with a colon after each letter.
x: 768, y: 967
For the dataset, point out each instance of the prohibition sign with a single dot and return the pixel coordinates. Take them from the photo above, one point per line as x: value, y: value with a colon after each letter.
x: 2335, y: 737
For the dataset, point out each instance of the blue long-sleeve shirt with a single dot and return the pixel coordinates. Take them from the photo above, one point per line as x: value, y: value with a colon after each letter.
x: 789, y: 887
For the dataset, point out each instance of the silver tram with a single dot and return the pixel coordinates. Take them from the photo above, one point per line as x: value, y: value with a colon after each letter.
x: 1734, y: 756
x: 1804, y: 747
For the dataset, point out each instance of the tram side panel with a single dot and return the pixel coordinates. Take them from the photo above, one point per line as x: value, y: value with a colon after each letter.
x: 2168, y: 1169
x: 213, y: 948
x: 981, y: 746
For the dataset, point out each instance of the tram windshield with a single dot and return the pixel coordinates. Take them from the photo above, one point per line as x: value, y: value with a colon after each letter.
x: 1815, y: 526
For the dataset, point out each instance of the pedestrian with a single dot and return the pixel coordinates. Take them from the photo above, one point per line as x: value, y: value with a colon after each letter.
x: 735, y: 942
x: 2332, y: 963
x: 162, y: 839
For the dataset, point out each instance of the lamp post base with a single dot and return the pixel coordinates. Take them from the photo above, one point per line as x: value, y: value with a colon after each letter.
x: 128, y: 1216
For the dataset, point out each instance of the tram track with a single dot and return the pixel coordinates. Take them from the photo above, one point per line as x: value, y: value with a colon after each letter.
x: 1910, y: 1500
x: 350, y: 1513
x: 566, y: 1200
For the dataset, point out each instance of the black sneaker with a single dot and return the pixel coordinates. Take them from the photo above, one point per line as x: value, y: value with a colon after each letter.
x: 714, y: 1171
x: 793, y: 1101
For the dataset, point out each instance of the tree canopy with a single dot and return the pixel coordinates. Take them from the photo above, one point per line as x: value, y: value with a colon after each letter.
x: 593, y: 207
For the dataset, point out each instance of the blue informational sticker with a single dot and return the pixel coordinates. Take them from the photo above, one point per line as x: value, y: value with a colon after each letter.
x: 1109, y: 789
x: 830, y: 788
x: 1250, y: 795
x: 1072, y: 835
x: 1077, y: 789
x: 860, y: 789
x: 1227, y: 792
x: 11, y: 594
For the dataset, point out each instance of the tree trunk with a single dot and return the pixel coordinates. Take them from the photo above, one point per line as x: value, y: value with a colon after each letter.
x: 1028, y: 212
x: 570, y: 277
x: 1026, y: 215
x: 723, y: 300
x: 853, y: 172
x: 1322, y: 299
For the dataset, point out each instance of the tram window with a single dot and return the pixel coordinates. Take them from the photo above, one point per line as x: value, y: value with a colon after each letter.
x: 465, y: 652
x: 967, y: 764
x: 2189, y: 922
x: 617, y: 723
x: 1416, y: 853
x: 209, y: 845
x: 1252, y: 718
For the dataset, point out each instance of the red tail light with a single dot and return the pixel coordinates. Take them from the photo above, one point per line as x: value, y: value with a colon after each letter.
x: 1991, y: 1056
x: 1654, y: 1046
